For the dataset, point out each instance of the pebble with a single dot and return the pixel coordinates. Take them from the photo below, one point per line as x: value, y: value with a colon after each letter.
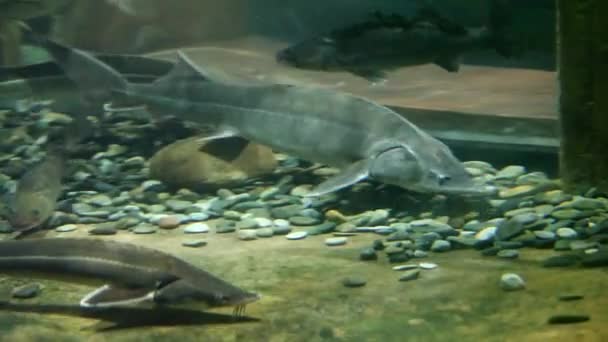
x: 152, y: 185
x: 263, y: 222
x: 508, y: 254
x: 296, y: 235
x: 66, y: 228
x: 354, y: 281
x: 247, y: 234
x: 544, y: 235
x: 194, y: 243
x: 198, y: 216
x: 103, y: 229
x: 566, y: 214
x: 410, y: 275
x: 304, y: 220
x: 566, y: 233
x: 427, y: 265
x: 441, y: 246
x: 518, y: 191
x: 225, y: 227
x: 486, y: 234
x: 405, y: 267
x: 368, y: 254
x: 264, y: 232
x: 27, y: 291
x: 196, y: 228
x: 144, y: 229
x: 99, y: 200
x: 336, y: 241
x: 512, y: 282
x: 178, y: 205
x: 570, y: 297
x: 511, y: 172
x: 169, y: 222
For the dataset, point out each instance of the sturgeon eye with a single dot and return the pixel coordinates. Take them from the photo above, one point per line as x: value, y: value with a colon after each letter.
x: 442, y: 179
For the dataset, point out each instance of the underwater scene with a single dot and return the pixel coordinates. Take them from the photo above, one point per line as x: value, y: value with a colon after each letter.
x: 340, y: 170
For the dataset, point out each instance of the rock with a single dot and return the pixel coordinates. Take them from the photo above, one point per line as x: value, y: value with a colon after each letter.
x: 427, y: 265
x: 99, y: 200
x: 564, y: 260
x: 405, y: 267
x: 566, y: 233
x: 335, y: 216
x: 323, y: 228
x: 194, y: 243
x: 247, y: 224
x: 508, y: 254
x: 486, y: 234
x: 518, y: 191
x: 225, y: 227
x: 198, y: 216
x: 354, y: 281
x: 368, y: 254
x: 169, y: 222
x: 410, y: 275
x: 186, y: 164
x: 512, y: 282
x: 264, y: 232
x: 263, y: 222
x: 429, y: 225
x: 511, y: 172
x: 144, y: 229
x: 152, y: 185
x: 247, y: 234
x: 304, y: 221
x: 196, y: 228
x: 286, y: 212
x: 27, y: 291
x: 104, y: 229
x: 509, y: 229
x: 66, y: 228
x: 599, y: 258
x: 83, y: 209
x: 544, y: 235
x: 441, y: 246
x: 567, y: 214
x: 336, y: 241
x: 296, y: 235
x: 568, y: 319
x: 552, y: 197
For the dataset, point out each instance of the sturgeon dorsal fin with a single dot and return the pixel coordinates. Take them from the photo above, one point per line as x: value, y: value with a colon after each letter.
x: 111, y: 296
x: 184, y: 69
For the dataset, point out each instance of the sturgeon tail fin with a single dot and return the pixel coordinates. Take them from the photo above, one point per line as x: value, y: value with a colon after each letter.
x: 97, y: 80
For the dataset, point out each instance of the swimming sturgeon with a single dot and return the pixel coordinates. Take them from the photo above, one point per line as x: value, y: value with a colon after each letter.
x: 363, y: 138
x: 134, y: 274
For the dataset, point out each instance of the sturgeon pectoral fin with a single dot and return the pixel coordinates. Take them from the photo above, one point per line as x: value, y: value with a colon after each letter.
x: 219, y: 134
x: 450, y: 63
x: 350, y: 175
x: 110, y: 296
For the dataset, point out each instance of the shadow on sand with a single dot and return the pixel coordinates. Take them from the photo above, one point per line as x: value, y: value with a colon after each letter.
x: 125, y: 318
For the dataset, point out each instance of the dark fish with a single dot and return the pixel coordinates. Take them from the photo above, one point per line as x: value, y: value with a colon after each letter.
x: 388, y: 42
x: 133, y: 274
x: 365, y: 139
x: 38, y: 190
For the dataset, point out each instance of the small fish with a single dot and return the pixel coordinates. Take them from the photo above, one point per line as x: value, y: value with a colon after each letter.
x: 133, y: 274
x: 38, y: 190
x: 388, y: 42
x: 363, y: 138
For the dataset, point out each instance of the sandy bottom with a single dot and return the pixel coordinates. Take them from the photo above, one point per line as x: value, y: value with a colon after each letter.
x: 303, y: 298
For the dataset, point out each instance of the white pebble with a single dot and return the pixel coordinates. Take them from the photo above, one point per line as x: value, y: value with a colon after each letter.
x: 263, y: 222
x: 405, y: 267
x: 247, y: 234
x: 336, y: 241
x: 486, y: 234
x: 296, y: 235
x: 512, y: 282
x: 66, y: 228
x: 281, y: 223
x: 427, y: 265
x: 196, y: 228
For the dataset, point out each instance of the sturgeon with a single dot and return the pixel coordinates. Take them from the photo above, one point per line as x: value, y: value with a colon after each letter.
x: 133, y: 274
x: 363, y: 138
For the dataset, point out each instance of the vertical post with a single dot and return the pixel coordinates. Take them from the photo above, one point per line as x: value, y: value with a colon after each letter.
x: 583, y: 93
